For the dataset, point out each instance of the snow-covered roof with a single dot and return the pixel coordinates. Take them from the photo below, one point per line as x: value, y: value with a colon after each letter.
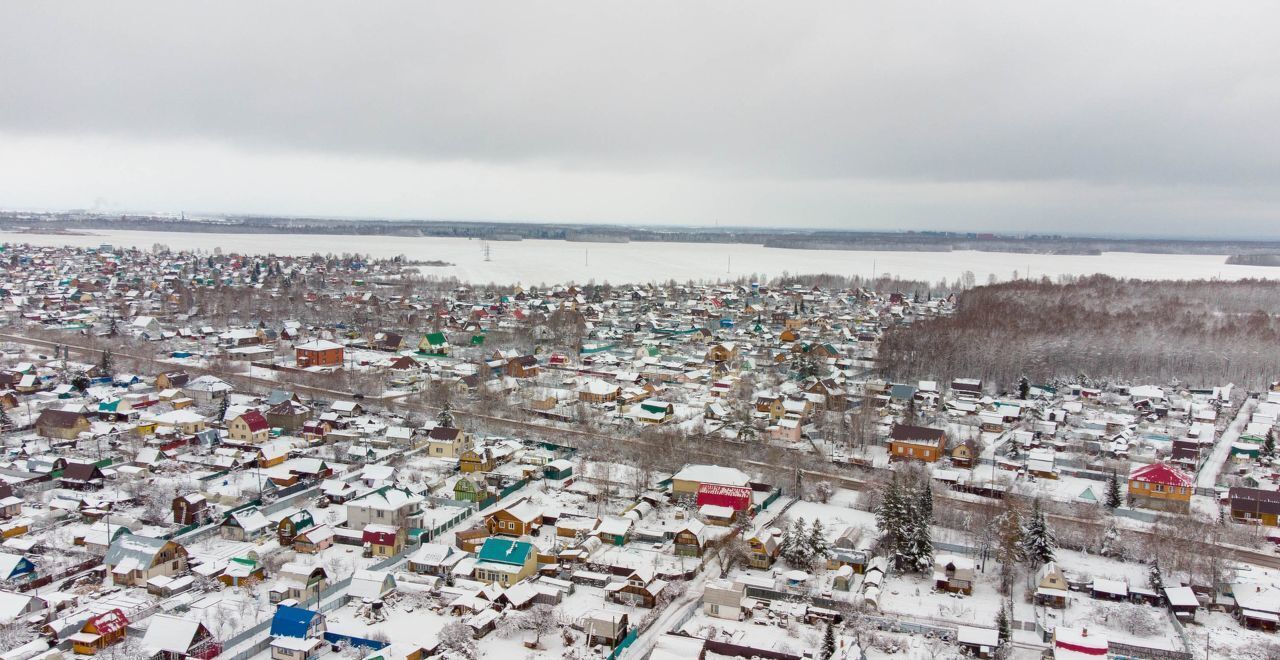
x: 713, y: 474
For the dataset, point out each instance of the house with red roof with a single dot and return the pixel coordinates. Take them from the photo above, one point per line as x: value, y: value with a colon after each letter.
x: 1162, y: 487
x: 100, y: 631
x: 1079, y: 644
x: 383, y: 540
x: 250, y: 428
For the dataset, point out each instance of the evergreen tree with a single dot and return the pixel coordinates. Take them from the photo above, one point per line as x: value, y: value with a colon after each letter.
x: 1002, y: 624
x: 817, y: 541
x: 1269, y: 445
x: 1113, y: 491
x: 924, y: 500
x: 1155, y: 578
x: 224, y: 404
x: 800, y: 555
x: 6, y: 422
x: 918, y: 550
x: 786, y: 545
x: 1024, y: 388
x: 828, y: 643
x: 106, y: 364
x: 889, y: 515
x: 1038, y: 541
x: 445, y: 418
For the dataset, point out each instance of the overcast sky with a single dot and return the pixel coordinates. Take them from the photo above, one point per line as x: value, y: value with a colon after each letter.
x: 1095, y: 117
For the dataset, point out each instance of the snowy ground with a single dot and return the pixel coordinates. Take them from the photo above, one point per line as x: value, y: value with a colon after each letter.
x: 533, y: 262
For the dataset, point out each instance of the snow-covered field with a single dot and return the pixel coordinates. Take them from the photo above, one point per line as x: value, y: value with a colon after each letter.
x: 538, y: 262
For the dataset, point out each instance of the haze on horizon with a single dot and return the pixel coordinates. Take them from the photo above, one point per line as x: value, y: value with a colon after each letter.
x: 1138, y: 118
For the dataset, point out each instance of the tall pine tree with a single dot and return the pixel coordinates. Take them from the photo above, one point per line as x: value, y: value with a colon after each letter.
x: 828, y: 643
x: 917, y: 551
x: 799, y: 554
x: 1038, y: 541
x: 890, y: 516
x: 1113, y: 491
x: 817, y: 541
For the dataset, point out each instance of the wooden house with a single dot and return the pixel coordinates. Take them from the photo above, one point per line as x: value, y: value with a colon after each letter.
x: 291, y: 525
x: 1051, y: 586
x: 191, y: 508
x: 477, y: 459
x: 919, y: 443
x: 100, y: 631
x: 1162, y: 487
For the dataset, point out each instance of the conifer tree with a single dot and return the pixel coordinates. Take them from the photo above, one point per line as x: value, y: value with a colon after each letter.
x: 106, y: 364
x: 445, y: 418
x: 1155, y: 578
x: 817, y: 541
x: 1038, y: 541
x: 1113, y: 491
x: 798, y: 555
x: 828, y: 643
x: 889, y: 515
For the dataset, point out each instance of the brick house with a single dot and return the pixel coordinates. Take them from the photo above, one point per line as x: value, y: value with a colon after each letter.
x: 319, y: 353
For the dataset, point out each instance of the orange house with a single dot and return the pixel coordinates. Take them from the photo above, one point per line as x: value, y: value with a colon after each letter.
x: 99, y: 632
x: 319, y: 353
x: 918, y: 443
x: 1162, y: 487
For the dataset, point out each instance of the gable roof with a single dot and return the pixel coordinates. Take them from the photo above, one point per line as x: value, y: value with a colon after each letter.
x: 255, y: 421
x: 1160, y: 473
x: 291, y: 621
x: 505, y: 551
x: 912, y: 433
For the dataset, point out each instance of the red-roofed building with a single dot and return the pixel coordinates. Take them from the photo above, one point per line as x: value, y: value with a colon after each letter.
x: 383, y: 540
x: 1162, y: 487
x: 1078, y: 644
x: 250, y: 427
x: 100, y: 631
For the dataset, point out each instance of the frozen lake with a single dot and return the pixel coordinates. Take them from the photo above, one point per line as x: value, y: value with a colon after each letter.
x: 547, y: 262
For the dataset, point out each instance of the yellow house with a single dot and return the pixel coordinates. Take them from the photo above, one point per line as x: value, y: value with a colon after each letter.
x: 1162, y: 487
x: 445, y: 442
x: 250, y: 427
x: 476, y: 460
x: 505, y: 561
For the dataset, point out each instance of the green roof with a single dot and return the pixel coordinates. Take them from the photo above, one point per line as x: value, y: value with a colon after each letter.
x: 505, y: 551
x: 435, y: 338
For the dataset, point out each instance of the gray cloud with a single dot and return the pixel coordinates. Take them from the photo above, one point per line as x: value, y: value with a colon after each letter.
x: 1066, y: 116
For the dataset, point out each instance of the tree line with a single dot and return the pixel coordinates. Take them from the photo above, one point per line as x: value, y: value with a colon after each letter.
x: 1097, y: 330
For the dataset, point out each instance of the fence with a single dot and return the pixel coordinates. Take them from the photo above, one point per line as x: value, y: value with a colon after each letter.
x: 66, y: 573
x: 1125, y: 651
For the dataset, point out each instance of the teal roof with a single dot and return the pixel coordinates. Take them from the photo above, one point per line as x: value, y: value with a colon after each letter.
x: 505, y: 551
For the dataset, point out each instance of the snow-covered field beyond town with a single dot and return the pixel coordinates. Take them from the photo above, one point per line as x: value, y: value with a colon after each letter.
x: 537, y: 262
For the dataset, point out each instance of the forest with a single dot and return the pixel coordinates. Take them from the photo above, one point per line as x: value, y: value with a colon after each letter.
x: 1098, y: 330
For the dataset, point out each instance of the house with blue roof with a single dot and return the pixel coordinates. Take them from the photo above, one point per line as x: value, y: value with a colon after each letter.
x: 16, y: 568
x: 299, y: 622
x: 505, y: 561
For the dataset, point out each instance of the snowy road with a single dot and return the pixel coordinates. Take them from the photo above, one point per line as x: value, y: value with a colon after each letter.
x: 1208, y: 475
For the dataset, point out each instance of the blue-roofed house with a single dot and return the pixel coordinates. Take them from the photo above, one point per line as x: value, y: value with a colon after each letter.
x: 16, y: 568
x: 505, y: 561
x: 299, y: 622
